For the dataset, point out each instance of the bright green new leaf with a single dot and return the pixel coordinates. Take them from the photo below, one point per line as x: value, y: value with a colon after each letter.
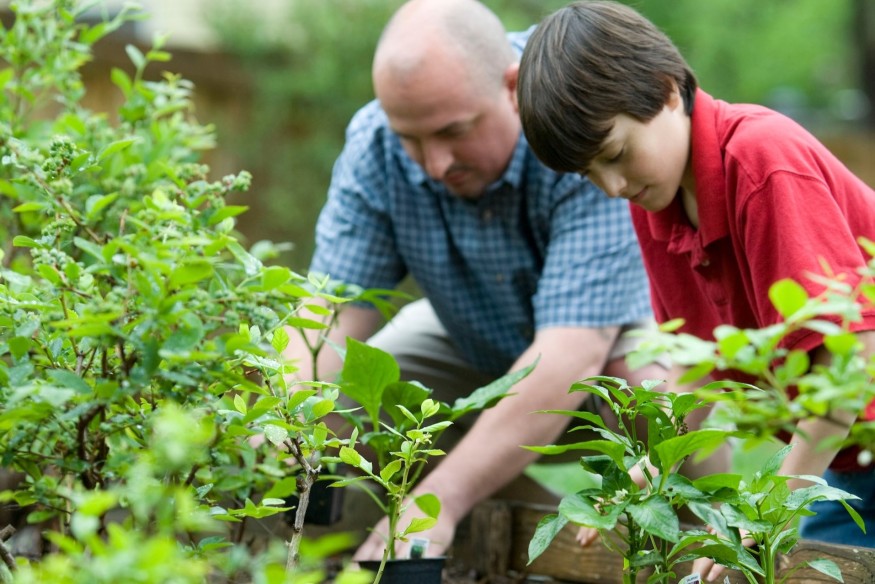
x: 419, y: 524
x: 391, y: 470
x: 674, y: 450
x: 787, y: 296
x: 428, y: 504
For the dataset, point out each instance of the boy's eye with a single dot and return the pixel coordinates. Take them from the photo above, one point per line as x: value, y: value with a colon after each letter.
x: 617, y: 156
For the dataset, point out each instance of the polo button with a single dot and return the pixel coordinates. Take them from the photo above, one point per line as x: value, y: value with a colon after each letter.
x: 706, y: 263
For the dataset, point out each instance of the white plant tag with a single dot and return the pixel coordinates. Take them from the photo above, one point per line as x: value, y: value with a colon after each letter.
x: 691, y: 579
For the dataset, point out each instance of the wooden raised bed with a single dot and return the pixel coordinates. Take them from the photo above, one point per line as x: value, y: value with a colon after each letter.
x: 491, y: 547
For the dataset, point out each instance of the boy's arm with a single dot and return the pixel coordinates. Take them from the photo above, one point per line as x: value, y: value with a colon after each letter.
x: 806, y: 457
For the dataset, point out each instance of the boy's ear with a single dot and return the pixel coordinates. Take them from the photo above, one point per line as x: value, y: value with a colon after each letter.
x: 511, y: 77
x: 675, y: 100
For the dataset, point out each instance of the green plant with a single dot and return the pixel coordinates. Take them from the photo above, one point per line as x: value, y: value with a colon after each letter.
x: 140, y: 342
x: 785, y: 386
x: 635, y: 505
x: 400, y: 425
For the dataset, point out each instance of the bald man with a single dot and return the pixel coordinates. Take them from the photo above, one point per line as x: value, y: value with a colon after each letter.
x: 515, y: 262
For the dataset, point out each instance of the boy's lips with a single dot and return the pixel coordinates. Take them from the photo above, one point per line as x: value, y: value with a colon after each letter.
x: 637, y: 197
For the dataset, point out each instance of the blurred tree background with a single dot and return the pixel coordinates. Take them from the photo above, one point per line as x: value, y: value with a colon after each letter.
x: 310, y: 70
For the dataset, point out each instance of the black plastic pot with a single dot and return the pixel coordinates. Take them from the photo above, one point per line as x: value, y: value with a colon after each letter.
x: 410, y: 571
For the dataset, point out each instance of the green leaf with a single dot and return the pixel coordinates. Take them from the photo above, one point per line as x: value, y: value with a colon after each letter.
x: 274, y: 277
x: 30, y: 206
x: 581, y: 510
x: 189, y: 272
x: 121, y: 80
x: 25, y: 241
x: 656, y: 516
x: 97, y: 203
x: 674, y: 450
x: 419, y: 524
x: 391, y: 469
x: 136, y: 56
x: 226, y: 212
x: 240, y: 403
x: 275, y: 434
x: 841, y: 344
x: 428, y: 504
x: 787, y: 296
x: 546, y: 531
x: 64, y: 378
x: 251, y: 264
x: 827, y: 568
x: 88, y: 247
x: 366, y: 372
x: 488, y: 395
x: 114, y: 147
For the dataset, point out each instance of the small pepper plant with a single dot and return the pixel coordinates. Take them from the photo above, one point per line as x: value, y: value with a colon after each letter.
x: 642, y: 488
x: 400, y: 423
x: 764, y: 508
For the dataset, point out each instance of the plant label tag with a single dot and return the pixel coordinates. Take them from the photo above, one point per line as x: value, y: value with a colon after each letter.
x: 691, y: 579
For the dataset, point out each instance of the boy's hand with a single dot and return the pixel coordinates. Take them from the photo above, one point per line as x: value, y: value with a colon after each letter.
x: 586, y: 535
x: 708, y: 568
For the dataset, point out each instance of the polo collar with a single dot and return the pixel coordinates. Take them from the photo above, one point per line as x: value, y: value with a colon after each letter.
x: 671, y: 224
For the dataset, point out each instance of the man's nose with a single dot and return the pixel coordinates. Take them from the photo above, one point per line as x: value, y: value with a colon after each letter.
x: 436, y: 159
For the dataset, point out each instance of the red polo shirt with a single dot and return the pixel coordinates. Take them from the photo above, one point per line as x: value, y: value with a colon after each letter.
x: 773, y: 203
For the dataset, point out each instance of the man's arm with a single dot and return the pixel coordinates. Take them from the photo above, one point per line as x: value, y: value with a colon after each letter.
x: 490, y: 454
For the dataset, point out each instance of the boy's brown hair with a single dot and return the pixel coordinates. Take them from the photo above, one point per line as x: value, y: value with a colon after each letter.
x: 584, y: 65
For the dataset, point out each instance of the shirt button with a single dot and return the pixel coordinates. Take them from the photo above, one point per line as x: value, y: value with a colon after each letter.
x: 499, y: 278
x: 487, y: 215
x: 706, y: 262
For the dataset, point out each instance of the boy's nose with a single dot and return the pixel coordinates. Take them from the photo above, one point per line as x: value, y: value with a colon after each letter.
x: 612, y: 183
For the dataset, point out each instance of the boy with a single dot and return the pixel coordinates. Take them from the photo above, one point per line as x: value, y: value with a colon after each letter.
x: 727, y: 199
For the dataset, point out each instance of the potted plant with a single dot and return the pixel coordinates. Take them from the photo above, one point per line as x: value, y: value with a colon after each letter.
x: 400, y: 424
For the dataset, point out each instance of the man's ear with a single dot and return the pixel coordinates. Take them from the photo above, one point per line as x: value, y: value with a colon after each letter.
x: 511, y: 76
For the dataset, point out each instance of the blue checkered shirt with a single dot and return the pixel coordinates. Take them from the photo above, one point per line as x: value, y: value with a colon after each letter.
x: 539, y: 249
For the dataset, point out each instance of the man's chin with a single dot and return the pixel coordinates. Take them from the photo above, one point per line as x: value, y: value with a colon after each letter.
x: 465, y: 191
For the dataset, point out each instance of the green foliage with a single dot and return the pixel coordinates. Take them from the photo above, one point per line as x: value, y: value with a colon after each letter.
x: 640, y: 488
x: 401, y: 425
x: 753, y: 519
x: 140, y: 342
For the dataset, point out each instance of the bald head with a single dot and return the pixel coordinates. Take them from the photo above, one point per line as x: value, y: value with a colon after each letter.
x: 463, y: 34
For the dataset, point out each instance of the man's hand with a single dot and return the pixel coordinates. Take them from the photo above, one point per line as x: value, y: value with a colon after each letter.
x: 440, y: 537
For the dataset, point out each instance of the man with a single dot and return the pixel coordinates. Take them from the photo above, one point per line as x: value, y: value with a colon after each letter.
x: 515, y: 262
